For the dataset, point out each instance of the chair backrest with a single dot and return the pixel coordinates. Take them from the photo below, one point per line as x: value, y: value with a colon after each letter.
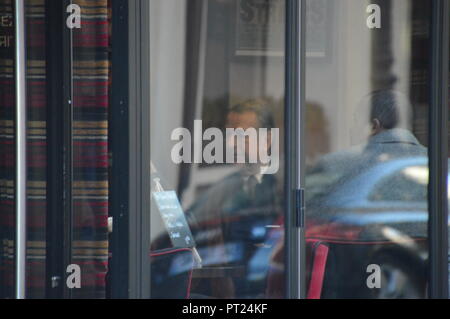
x: 317, y: 252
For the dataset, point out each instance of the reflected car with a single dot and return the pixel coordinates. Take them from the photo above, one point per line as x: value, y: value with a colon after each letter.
x: 374, y: 220
x: 377, y: 216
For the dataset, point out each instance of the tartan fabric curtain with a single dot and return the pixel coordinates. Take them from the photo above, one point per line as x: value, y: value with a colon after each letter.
x: 91, y: 78
x: 91, y: 50
x: 7, y: 146
x: 36, y: 147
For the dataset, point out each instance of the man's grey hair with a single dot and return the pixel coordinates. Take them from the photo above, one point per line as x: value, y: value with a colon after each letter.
x: 262, y: 108
x: 385, y: 106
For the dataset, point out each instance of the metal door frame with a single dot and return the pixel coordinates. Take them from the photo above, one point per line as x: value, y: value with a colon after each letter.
x: 438, y: 152
x: 21, y: 150
x: 139, y: 150
x: 294, y: 149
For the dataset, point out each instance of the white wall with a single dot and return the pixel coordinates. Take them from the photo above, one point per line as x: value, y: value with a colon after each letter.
x: 167, y: 62
x: 340, y: 81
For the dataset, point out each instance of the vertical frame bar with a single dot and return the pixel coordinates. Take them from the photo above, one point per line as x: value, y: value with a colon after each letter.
x: 294, y: 119
x: 67, y: 50
x: 144, y: 116
x: 59, y: 148
x: 56, y: 81
x: 139, y: 139
x: 438, y: 153
x: 119, y: 135
x: 21, y: 149
x: 135, y: 201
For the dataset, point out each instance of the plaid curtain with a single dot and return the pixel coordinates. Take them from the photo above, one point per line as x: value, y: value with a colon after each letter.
x: 91, y: 77
x: 36, y: 147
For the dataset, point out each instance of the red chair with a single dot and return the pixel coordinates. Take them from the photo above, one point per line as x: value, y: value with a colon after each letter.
x: 318, y: 255
x: 171, y: 273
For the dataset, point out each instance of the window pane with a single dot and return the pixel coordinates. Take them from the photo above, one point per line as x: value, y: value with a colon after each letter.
x: 217, y: 67
x: 367, y: 162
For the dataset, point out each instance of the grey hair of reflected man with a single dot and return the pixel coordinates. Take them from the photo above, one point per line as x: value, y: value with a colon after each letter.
x: 386, y: 105
x: 260, y: 107
x: 390, y: 107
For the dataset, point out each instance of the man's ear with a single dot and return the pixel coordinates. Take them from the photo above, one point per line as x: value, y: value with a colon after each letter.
x: 376, y: 126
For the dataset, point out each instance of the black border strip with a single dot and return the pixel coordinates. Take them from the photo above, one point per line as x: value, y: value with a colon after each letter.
x: 134, y: 147
x: 438, y: 152
x: 67, y: 71
x: 119, y: 145
x: 55, y: 148
x: 139, y: 149
x: 59, y: 148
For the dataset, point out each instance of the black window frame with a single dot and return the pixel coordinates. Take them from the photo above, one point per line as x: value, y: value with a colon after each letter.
x: 118, y: 277
x: 438, y: 152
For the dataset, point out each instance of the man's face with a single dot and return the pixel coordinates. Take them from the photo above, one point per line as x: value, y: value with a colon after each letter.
x: 244, y: 121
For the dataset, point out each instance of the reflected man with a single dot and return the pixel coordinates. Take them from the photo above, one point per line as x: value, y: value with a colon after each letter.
x: 232, y: 219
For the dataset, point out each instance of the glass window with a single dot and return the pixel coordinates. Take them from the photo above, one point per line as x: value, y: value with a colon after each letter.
x: 209, y: 147
x: 216, y: 120
x: 367, y: 103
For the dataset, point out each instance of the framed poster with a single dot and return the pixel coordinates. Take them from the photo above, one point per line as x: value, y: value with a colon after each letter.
x: 260, y: 28
x: 318, y: 25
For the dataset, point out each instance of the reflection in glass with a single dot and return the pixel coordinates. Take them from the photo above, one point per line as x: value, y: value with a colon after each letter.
x: 366, y: 185
x: 216, y: 116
